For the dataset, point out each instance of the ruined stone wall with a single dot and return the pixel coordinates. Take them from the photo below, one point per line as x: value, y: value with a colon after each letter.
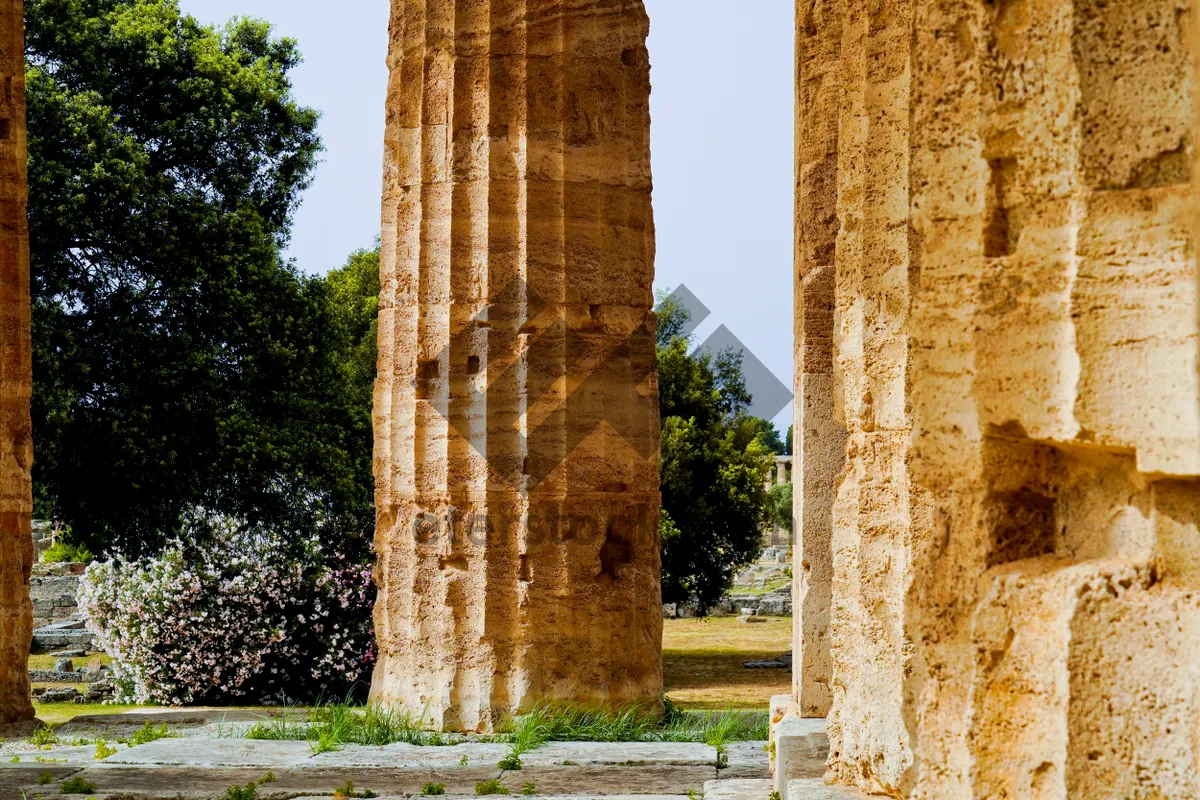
x: 16, y: 380
x: 516, y: 405
x: 1015, y: 526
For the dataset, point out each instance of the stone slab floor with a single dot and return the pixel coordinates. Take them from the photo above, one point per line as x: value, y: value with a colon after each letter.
x: 205, y: 761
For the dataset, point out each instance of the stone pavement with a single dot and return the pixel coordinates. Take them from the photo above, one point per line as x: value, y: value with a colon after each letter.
x: 201, y: 765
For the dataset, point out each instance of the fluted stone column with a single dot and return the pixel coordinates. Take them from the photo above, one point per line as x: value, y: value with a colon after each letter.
x: 819, y: 433
x: 1015, y: 349
x: 16, y: 381
x: 516, y: 405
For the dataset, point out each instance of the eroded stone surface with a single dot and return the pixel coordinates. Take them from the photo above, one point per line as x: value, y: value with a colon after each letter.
x: 516, y: 406
x: 800, y: 748
x: 816, y: 789
x: 16, y: 379
x: 747, y: 760
x: 726, y: 789
x: 215, y: 753
x: 1001, y: 196
x: 205, y: 767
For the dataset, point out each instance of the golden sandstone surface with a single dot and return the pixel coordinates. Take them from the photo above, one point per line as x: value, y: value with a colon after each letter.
x: 16, y: 378
x: 517, y: 404
x: 996, y: 312
x: 998, y: 404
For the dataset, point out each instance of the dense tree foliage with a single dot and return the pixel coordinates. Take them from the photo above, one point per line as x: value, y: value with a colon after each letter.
x: 179, y: 361
x: 354, y: 288
x: 768, y: 434
x: 781, y: 505
x: 714, y: 466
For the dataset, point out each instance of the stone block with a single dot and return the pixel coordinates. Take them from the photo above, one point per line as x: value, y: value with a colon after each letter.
x: 815, y: 789
x: 801, y: 750
x: 737, y: 790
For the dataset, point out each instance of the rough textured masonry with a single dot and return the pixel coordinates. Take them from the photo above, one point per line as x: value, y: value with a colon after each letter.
x: 998, y: 573
x: 517, y: 401
x: 16, y: 378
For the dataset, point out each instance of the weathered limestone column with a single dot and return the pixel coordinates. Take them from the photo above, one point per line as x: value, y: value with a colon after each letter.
x: 1016, y: 526
x: 16, y: 379
x: 516, y: 406
x: 819, y: 435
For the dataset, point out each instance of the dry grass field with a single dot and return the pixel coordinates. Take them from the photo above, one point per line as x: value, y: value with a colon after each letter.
x: 702, y: 662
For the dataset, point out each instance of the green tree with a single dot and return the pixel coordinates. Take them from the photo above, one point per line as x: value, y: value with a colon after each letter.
x: 179, y: 361
x: 714, y: 466
x: 789, y: 445
x: 354, y: 288
x: 768, y: 434
x: 781, y: 505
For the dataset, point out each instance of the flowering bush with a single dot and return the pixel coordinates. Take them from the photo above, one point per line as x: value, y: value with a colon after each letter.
x: 231, y: 612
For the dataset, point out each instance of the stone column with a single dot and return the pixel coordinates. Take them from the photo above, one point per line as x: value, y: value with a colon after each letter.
x: 16, y: 380
x: 1057, y: 406
x: 516, y: 406
x: 819, y: 433
x: 1016, y: 523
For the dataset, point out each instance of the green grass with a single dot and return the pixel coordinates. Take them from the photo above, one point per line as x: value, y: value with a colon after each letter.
x: 76, y: 785
x: 58, y: 713
x: 492, y: 786
x: 150, y: 733
x: 248, y: 792
x: 47, y: 662
x: 103, y: 750
x: 347, y: 790
x: 703, y: 662
x: 638, y: 724
x: 44, y: 737
x: 63, y: 553
x: 333, y: 726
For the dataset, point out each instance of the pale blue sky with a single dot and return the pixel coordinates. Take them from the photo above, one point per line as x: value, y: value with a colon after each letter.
x: 722, y: 147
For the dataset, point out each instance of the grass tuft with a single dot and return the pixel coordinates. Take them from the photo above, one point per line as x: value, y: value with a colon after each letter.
x: 332, y: 726
x: 346, y: 791
x: 558, y: 723
x: 492, y: 786
x: 44, y: 737
x: 433, y: 789
x: 150, y: 733
x: 77, y: 785
x: 248, y: 792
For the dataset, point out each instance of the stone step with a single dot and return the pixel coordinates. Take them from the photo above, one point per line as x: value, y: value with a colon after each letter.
x: 205, y: 767
x: 801, y: 750
x: 737, y: 790
x: 589, y: 796
x: 815, y: 789
x: 70, y: 634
